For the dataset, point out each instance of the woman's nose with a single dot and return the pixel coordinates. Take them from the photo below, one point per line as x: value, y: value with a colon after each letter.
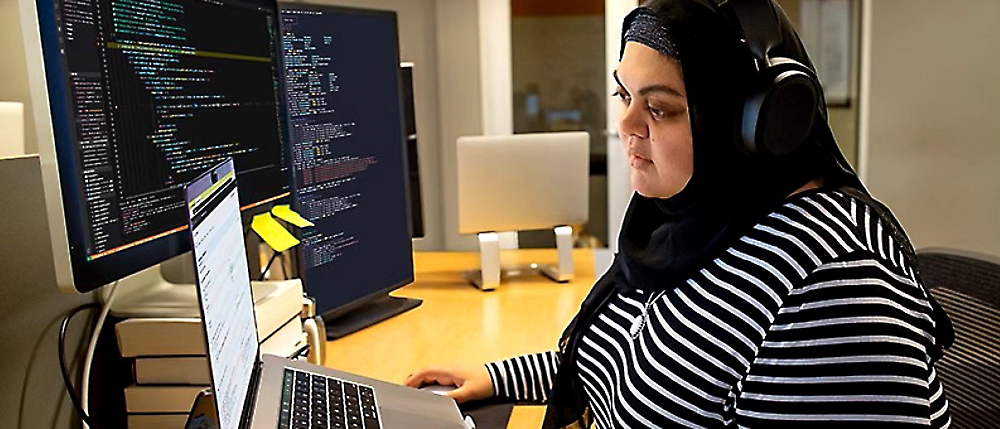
x: 630, y: 123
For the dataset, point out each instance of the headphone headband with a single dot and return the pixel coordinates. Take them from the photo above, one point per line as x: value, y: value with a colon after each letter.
x: 778, y: 113
x: 756, y: 18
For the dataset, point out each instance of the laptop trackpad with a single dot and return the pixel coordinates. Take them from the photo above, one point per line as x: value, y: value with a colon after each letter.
x: 405, y: 408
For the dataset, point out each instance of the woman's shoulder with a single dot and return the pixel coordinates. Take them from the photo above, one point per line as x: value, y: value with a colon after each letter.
x: 821, y: 226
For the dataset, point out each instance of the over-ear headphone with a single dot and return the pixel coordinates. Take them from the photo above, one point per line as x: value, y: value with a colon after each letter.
x: 781, y: 106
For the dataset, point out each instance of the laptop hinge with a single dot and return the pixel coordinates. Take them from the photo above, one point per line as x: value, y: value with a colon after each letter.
x: 251, y: 401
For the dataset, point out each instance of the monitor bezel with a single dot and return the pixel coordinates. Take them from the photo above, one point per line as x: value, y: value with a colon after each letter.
x: 75, y: 273
x: 416, y: 194
x: 347, y: 307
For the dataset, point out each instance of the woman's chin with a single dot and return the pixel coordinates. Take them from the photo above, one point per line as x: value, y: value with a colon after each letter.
x: 646, y: 191
x: 652, y: 186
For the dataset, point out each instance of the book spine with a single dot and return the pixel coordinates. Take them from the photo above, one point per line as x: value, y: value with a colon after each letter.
x: 172, y: 370
x: 157, y: 421
x: 161, y: 399
x: 193, y: 370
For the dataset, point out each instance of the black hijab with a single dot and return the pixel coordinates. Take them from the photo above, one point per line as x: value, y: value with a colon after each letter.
x: 664, y: 241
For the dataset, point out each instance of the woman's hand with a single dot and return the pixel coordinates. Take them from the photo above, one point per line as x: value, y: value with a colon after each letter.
x: 472, y: 381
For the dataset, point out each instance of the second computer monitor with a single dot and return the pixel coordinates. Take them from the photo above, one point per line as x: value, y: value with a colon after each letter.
x: 348, y: 153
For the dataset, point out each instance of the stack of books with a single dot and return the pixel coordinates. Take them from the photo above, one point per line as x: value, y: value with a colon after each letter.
x: 170, y: 366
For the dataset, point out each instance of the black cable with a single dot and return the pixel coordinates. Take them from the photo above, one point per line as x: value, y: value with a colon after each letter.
x: 268, y: 267
x: 62, y: 362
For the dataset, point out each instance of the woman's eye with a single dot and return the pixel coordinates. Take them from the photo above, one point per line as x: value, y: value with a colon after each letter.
x: 621, y: 96
x: 663, y: 114
x: 656, y: 113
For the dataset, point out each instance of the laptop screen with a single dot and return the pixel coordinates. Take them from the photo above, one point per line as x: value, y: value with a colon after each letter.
x: 224, y: 292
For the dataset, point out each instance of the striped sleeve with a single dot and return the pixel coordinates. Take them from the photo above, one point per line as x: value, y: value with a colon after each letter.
x: 527, y: 378
x: 850, y: 344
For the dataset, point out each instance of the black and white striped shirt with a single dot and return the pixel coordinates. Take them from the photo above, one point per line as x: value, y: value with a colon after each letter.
x: 814, y: 316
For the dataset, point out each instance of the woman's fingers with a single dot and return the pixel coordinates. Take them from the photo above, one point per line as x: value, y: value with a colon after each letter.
x: 432, y: 375
x: 462, y: 394
x: 472, y: 381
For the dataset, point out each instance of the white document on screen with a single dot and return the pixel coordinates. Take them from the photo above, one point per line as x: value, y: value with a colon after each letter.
x: 227, y: 302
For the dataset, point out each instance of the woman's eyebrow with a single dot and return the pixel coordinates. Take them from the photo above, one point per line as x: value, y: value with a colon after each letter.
x: 614, y: 73
x: 660, y: 88
x: 651, y: 88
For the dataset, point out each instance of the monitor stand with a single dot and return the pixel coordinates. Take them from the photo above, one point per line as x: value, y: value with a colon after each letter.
x: 164, y: 290
x: 368, y: 313
x: 490, y: 272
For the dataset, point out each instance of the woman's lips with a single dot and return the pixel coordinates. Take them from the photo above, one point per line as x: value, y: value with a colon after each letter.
x: 637, y: 161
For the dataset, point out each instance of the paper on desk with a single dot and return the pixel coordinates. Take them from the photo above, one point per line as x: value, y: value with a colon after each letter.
x: 285, y: 213
x: 273, y: 233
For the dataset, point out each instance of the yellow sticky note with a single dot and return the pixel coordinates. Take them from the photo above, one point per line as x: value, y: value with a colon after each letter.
x: 273, y: 233
x: 285, y: 213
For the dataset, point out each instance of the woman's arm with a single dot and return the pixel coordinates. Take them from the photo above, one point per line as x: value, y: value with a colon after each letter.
x: 850, y: 344
x: 525, y: 378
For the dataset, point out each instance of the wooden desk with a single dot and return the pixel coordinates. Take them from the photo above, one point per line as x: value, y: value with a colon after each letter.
x: 458, y: 323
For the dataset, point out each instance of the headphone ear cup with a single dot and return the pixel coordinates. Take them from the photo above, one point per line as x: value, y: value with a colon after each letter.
x: 779, y: 114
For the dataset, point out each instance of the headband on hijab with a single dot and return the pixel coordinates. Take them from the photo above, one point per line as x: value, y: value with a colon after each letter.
x: 648, y: 29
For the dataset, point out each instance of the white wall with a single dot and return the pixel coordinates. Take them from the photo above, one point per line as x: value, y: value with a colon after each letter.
x: 619, y: 185
x: 460, y: 101
x: 931, y: 128
x: 495, y: 67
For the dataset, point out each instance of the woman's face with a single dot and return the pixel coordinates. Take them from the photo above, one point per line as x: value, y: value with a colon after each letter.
x: 654, y: 124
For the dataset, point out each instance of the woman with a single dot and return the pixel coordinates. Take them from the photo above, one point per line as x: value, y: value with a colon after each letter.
x: 748, y: 290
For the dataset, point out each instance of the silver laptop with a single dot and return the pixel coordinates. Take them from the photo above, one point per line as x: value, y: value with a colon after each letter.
x: 251, y: 391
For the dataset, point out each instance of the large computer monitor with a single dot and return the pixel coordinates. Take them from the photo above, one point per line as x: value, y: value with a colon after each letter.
x: 138, y: 97
x: 349, y: 161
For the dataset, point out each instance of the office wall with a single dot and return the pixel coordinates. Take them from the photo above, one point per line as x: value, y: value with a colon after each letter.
x: 13, y: 74
x: 31, y: 307
x: 460, y: 101
x: 496, y: 67
x: 31, y: 392
x: 31, y: 387
x: 931, y: 146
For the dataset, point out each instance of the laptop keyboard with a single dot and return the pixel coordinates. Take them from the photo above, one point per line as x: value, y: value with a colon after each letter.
x: 315, y: 401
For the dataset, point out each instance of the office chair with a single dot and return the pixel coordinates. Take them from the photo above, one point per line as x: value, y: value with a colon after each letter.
x: 967, y: 285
